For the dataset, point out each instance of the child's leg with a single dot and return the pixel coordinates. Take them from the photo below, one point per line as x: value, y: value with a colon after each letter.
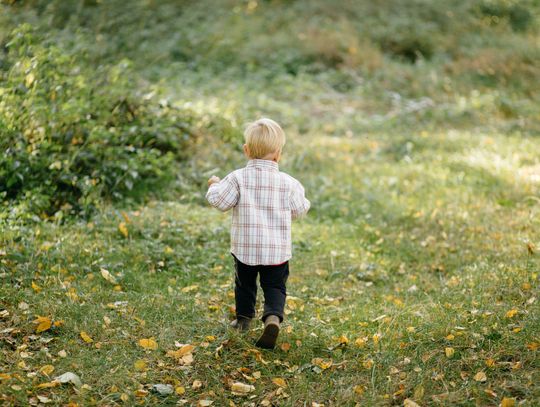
x: 245, y: 289
x: 273, y: 279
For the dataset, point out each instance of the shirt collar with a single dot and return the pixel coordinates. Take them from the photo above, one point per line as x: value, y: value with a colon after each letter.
x: 258, y: 163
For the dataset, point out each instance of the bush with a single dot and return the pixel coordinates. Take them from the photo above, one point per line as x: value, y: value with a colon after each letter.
x: 71, y: 135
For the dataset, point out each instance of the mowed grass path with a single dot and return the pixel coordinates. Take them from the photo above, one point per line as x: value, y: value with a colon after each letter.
x: 415, y: 276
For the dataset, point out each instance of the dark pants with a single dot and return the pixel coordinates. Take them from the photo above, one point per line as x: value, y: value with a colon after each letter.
x: 272, y: 279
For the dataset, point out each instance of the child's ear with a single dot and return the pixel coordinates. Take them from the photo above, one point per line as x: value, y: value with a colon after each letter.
x: 246, y: 151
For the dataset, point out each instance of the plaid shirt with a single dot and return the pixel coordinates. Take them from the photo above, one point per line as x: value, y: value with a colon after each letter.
x: 264, y: 201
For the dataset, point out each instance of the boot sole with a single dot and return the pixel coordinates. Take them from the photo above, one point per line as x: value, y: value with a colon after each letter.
x: 269, y: 337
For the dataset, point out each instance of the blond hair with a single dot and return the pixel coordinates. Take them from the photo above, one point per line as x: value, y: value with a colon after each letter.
x: 263, y: 137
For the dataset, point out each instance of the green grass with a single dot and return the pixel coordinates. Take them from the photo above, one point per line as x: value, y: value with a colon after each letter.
x: 412, y: 250
x: 416, y: 268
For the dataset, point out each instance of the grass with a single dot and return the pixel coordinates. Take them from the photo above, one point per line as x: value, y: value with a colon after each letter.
x: 400, y: 259
x: 415, y: 274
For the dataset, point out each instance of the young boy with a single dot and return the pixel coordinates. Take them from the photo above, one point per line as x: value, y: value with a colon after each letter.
x: 264, y: 200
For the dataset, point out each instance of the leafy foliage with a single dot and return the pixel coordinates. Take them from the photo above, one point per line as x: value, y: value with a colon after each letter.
x: 71, y: 135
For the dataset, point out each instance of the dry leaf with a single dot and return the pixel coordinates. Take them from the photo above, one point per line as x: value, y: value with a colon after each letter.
x: 449, y: 352
x: 43, y: 324
x: 358, y: 389
x: 123, y: 229
x: 322, y: 363
x: 204, y: 403
x: 285, y: 346
x: 163, y: 389
x: 241, y: 389
x: 511, y: 313
x: 85, y: 337
x: 278, y: 381
x: 140, y: 365
x: 47, y: 369
x: 108, y: 276
x: 36, y: 287
x: 508, y: 402
x: 480, y: 376
x: 149, y: 343
x: 197, y: 384
x: 410, y: 403
x: 69, y: 377
x: 180, y: 390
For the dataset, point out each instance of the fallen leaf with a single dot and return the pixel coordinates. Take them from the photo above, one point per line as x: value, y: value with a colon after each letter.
x: 123, y: 229
x: 410, y: 403
x: 508, y: 402
x: 285, y: 346
x: 149, y: 343
x: 480, y: 376
x: 278, y: 381
x: 85, y: 337
x: 108, y: 276
x: 140, y: 365
x: 69, y: 377
x: 241, y: 389
x: 197, y: 384
x: 47, y: 369
x: 205, y: 403
x: 47, y: 385
x: 322, y: 363
x: 180, y: 390
x: 358, y: 389
x: 511, y: 313
x: 36, y: 287
x: 44, y: 399
x: 449, y: 352
x: 43, y: 324
x: 163, y: 389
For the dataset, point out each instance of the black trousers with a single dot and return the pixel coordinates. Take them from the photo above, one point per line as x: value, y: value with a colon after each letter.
x: 272, y: 279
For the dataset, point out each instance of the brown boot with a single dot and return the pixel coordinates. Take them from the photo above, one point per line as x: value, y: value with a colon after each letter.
x: 271, y: 331
x: 242, y: 324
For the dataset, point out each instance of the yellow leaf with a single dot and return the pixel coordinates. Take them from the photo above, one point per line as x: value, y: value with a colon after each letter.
x: 180, y: 390
x: 181, y: 352
x: 189, y: 288
x: 358, y: 389
x: 410, y: 403
x: 125, y: 216
x: 43, y: 324
x: 85, y: 337
x: 533, y: 346
x: 480, y: 376
x: 322, y: 363
x: 123, y: 229
x: 58, y: 323
x: 54, y: 383
x: 376, y: 338
x: 343, y: 340
x: 47, y: 369
x: 149, y: 343
x: 490, y: 362
x: 108, y: 276
x: 411, y: 329
x: 450, y: 337
x: 36, y: 287
x: 278, y: 381
x: 367, y: 363
x: 511, y: 313
x: 140, y: 365
x: 168, y: 250
x: 140, y: 393
x: 508, y: 402
x: 239, y: 388
x: 285, y: 346
x: 449, y: 352
x: 360, y: 342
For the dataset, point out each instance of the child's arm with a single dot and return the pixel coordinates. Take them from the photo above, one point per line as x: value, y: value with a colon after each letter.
x: 299, y: 204
x: 223, y: 194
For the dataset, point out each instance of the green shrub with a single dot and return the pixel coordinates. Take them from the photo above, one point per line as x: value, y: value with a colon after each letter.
x: 71, y: 135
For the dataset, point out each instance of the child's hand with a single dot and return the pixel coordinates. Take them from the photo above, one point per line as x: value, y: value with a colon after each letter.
x: 213, y: 179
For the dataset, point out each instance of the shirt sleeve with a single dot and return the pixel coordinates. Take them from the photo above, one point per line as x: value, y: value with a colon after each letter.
x: 224, y: 194
x: 299, y: 204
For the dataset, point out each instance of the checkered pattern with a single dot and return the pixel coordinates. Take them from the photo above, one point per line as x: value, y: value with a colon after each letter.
x: 264, y: 201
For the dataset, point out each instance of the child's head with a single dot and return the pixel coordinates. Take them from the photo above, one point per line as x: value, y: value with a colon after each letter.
x: 264, y: 140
